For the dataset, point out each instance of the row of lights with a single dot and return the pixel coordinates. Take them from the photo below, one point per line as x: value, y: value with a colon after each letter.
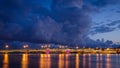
x: 46, y: 46
x: 25, y: 46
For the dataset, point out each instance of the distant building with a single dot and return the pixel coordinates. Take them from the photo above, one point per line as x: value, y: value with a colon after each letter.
x: 102, y: 40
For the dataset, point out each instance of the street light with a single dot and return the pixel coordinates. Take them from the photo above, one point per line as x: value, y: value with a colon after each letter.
x: 6, y: 46
x: 25, y: 46
x: 77, y: 47
x: 42, y: 46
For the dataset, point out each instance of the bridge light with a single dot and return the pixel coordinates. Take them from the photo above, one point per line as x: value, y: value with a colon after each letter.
x: 67, y: 51
x: 25, y: 46
x: 108, y: 48
x: 77, y: 47
x: 42, y: 46
x: 6, y: 46
x: 47, y: 51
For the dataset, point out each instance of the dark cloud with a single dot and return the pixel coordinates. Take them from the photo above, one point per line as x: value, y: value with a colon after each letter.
x: 101, y: 3
x: 58, y: 21
x: 113, y: 23
x: 102, y: 29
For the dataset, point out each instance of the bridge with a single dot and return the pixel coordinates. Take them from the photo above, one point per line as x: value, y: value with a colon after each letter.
x: 81, y: 51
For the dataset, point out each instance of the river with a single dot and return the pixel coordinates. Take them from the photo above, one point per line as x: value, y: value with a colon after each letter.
x: 59, y: 60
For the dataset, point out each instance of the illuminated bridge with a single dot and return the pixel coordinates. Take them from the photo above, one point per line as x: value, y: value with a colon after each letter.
x: 81, y: 51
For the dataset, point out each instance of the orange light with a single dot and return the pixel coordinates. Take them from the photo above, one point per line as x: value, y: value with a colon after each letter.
x: 6, y: 61
x: 24, y: 61
x: 77, y: 60
x: 108, y: 48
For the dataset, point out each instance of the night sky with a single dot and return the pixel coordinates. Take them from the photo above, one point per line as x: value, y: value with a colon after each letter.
x: 59, y: 21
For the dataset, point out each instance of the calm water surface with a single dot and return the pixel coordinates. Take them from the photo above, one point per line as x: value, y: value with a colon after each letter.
x: 59, y: 61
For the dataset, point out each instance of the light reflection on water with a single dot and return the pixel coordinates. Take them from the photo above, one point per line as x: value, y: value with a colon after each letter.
x: 67, y: 60
x: 97, y: 60
x: 61, y: 61
x: 84, y: 60
x: 5, y: 61
x: 89, y: 61
x: 77, y: 60
x: 101, y: 61
x: 45, y: 61
x: 24, y: 60
x: 108, y: 61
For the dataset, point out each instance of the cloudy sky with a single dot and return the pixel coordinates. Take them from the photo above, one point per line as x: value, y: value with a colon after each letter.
x: 59, y: 21
x: 106, y: 23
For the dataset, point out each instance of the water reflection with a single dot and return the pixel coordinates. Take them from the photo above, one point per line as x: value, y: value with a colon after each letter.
x: 97, y: 60
x: 5, y: 61
x: 108, y: 61
x: 89, y: 59
x: 61, y: 61
x: 77, y: 60
x: 24, y: 60
x: 101, y: 60
x: 84, y: 60
x: 67, y: 61
x: 45, y: 61
x: 42, y: 61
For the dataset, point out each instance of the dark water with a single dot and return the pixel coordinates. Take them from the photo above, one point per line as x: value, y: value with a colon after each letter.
x: 59, y: 61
